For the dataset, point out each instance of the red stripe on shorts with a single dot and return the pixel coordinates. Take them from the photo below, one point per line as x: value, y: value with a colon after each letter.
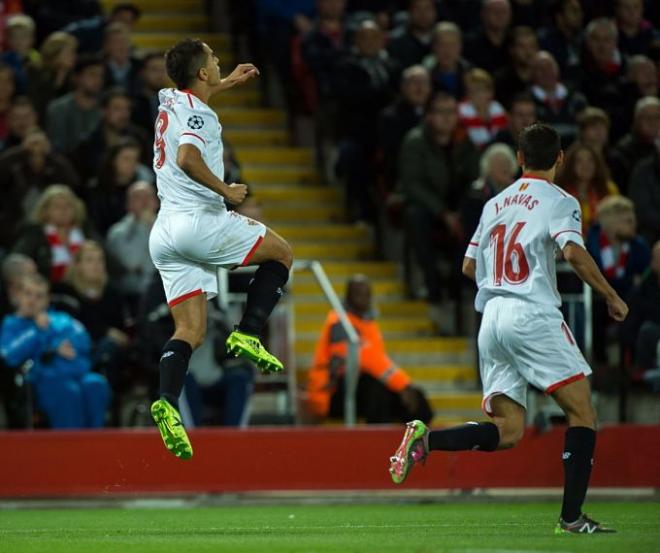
x: 195, y: 135
x: 251, y: 252
x: 185, y: 297
x: 561, y: 383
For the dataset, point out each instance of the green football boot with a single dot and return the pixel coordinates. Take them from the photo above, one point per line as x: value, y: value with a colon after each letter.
x: 250, y: 347
x: 171, y: 428
x: 414, y: 449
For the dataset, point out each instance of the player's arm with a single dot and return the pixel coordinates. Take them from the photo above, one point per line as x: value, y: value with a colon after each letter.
x: 243, y: 72
x: 470, y: 268
x: 586, y: 268
x: 470, y: 259
x: 190, y: 160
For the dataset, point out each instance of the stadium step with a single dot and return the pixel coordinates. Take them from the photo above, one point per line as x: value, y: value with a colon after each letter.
x: 162, y: 41
x: 404, y: 345
x: 324, y: 251
x: 379, y: 287
x: 276, y: 156
x: 255, y: 137
x: 326, y: 233
x: 372, y: 269
x: 271, y: 193
x: 236, y: 98
x: 450, y: 401
x: 256, y: 174
x: 257, y: 117
x: 412, y: 325
x: 386, y: 309
x: 443, y: 373
x: 310, y: 214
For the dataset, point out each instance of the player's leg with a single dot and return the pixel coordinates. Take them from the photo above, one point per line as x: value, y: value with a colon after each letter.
x: 579, y: 443
x: 274, y: 258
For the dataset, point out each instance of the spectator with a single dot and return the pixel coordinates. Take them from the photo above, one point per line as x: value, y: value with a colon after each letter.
x: 88, y: 296
x: 639, y: 142
x: 518, y: 75
x: 522, y: 113
x: 556, y: 104
x: 7, y: 89
x: 25, y: 172
x: 15, y: 266
x: 642, y: 80
x: 498, y: 168
x: 58, y: 348
x: 90, y: 31
x: 446, y: 64
x: 479, y: 113
x: 563, y: 39
x: 121, y: 69
x: 385, y: 393
x: 52, y: 77
x: 76, y: 114
x: 487, y: 47
x: 636, y: 34
x: 603, y: 67
x: 436, y: 165
x: 401, y: 116
x: 640, y: 332
x: 145, y: 103
x: 584, y: 175
x: 410, y: 44
x: 594, y: 130
x: 115, y: 125
x: 364, y: 86
x: 56, y: 231
x: 20, y: 48
x: 120, y: 168
x: 128, y: 241
x: 645, y: 194
x: 21, y: 119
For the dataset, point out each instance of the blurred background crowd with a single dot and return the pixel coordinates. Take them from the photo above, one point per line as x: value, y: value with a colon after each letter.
x: 412, y: 108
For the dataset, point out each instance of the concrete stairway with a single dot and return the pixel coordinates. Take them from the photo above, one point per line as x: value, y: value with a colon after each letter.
x: 311, y: 217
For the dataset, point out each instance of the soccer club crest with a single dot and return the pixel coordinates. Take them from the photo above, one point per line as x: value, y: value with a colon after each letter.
x: 195, y: 122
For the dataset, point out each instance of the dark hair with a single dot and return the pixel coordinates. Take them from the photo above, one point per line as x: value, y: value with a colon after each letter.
x: 521, y: 98
x: 106, y: 174
x: 87, y: 60
x: 184, y: 60
x: 435, y: 97
x: 567, y: 177
x: 540, y: 145
x: 112, y: 93
x: 126, y: 6
x: 150, y: 56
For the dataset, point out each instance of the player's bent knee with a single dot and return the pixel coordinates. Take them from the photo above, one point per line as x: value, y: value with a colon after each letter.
x: 286, y: 254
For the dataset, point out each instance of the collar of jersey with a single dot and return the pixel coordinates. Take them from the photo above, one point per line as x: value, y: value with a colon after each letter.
x: 531, y: 177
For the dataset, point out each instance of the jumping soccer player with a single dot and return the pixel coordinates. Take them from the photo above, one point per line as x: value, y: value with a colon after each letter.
x: 523, y: 337
x: 194, y: 233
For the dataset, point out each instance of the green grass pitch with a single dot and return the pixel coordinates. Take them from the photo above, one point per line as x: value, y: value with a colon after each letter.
x: 446, y: 527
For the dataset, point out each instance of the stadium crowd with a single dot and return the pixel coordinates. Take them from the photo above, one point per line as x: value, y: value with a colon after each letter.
x: 416, y: 109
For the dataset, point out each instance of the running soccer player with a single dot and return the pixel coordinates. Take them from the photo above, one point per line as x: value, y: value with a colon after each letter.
x: 194, y: 233
x: 523, y: 337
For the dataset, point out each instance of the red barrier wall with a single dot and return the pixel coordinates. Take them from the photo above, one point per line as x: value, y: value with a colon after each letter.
x: 93, y: 463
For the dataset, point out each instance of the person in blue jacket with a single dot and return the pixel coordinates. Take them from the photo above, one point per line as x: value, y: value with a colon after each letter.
x: 58, y: 350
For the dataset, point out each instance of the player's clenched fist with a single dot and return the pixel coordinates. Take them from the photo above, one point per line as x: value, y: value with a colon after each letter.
x: 617, y: 309
x: 236, y: 193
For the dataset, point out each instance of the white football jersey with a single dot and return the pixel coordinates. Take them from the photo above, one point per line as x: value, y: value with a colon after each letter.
x: 515, y: 243
x: 185, y: 119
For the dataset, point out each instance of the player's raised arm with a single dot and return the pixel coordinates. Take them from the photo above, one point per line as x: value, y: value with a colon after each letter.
x: 241, y: 74
x: 190, y: 160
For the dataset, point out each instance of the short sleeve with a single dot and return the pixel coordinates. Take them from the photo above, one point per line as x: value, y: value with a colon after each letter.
x: 566, y: 222
x: 196, y: 129
x: 471, y: 251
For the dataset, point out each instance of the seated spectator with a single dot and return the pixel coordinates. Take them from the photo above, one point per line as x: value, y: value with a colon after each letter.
x: 128, y: 241
x: 639, y: 143
x: 621, y: 255
x: 120, y: 168
x: 642, y: 80
x: 516, y: 77
x: 603, y: 68
x: 410, y: 44
x: 115, y: 125
x: 556, y: 104
x: 7, y: 89
x: 645, y: 194
x: 498, y: 168
x: 594, y: 130
x: 563, y: 39
x: 25, y: 172
x: 479, y: 113
x: 401, y: 116
x: 385, y: 392
x: 145, y: 102
x: 522, y: 113
x: 52, y: 77
x: 121, y: 68
x: 15, y: 266
x: 445, y: 62
x: 584, y: 175
x: 58, y: 348
x: 436, y: 165
x: 21, y: 119
x: 486, y: 48
x: 636, y: 34
x: 73, y: 116
x: 57, y: 229
x: 363, y: 85
x: 87, y: 295
x: 20, y: 52
x: 640, y: 332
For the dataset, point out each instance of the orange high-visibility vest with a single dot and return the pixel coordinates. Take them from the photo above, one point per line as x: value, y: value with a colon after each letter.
x: 331, y: 355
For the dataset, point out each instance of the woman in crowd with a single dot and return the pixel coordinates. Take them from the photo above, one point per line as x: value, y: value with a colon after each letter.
x: 585, y: 176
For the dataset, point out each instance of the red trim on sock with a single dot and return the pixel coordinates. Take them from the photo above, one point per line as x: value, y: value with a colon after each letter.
x: 561, y: 383
x: 251, y: 252
x: 185, y: 297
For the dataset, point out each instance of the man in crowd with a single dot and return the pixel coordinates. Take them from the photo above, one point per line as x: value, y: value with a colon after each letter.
x: 408, y: 45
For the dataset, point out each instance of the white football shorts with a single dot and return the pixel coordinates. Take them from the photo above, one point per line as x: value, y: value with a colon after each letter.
x: 522, y: 342
x: 187, y: 247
